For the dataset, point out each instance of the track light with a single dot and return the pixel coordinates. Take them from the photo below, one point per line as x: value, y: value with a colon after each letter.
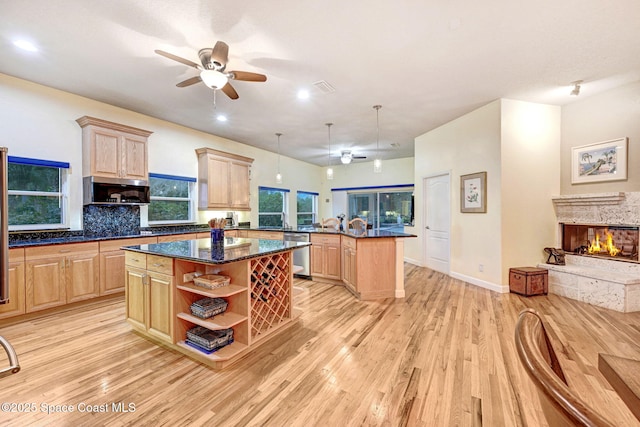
x: 576, y: 88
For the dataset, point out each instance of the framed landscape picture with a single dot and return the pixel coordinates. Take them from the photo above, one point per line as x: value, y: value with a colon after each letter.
x: 473, y: 193
x: 603, y: 161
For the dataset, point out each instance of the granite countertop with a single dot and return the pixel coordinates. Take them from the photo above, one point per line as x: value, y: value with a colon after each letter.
x: 44, y: 238
x: 201, y: 250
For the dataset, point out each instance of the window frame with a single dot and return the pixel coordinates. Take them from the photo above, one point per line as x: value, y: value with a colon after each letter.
x: 376, y: 191
x: 191, y: 199
x: 62, y: 195
x: 314, y: 207
x: 285, y: 205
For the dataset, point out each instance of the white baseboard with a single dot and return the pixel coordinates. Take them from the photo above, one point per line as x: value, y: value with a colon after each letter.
x: 413, y: 261
x: 481, y: 283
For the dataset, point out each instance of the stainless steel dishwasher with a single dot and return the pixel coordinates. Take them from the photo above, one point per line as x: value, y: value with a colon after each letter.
x: 301, y: 256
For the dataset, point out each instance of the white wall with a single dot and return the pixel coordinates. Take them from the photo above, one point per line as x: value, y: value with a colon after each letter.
x: 39, y: 122
x: 610, y: 115
x: 530, y: 164
x: 465, y: 145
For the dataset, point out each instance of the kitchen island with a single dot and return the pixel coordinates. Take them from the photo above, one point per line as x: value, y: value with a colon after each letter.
x: 160, y: 291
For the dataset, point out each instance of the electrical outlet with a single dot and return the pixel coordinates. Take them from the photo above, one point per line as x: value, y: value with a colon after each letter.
x: 480, y: 267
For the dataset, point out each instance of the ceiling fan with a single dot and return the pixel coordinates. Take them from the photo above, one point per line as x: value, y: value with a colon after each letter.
x: 212, y: 71
x: 347, y: 156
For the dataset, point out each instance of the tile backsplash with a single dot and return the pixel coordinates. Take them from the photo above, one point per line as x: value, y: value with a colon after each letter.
x: 110, y: 220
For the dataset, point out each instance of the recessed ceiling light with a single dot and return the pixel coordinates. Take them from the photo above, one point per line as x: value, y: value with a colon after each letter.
x: 25, y: 45
x: 303, y: 94
x: 221, y: 118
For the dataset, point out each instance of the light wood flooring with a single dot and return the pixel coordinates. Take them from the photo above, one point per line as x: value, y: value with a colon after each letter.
x: 442, y: 356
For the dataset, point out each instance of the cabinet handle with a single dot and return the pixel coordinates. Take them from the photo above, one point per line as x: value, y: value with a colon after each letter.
x: 157, y: 264
x: 64, y: 251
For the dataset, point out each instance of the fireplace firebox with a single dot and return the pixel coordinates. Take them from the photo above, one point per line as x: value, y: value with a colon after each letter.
x: 610, y: 241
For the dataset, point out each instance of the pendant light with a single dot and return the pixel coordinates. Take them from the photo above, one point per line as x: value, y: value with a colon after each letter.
x: 329, y: 169
x: 377, y: 163
x: 278, y: 175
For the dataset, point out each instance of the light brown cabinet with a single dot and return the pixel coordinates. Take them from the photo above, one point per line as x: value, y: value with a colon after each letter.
x: 325, y: 256
x: 369, y: 266
x: 223, y: 180
x: 61, y: 274
x: 112, y: 150
x: 263, y: 234
x: 112, y: 263
x: 349, y: 263
x: 16, y: 305
x: 149, y: 294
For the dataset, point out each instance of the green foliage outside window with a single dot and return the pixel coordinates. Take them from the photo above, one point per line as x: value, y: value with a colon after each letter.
x: 270, y: 208
x: 306, y: 208
x: 170, y: 200
x: 25, y: 207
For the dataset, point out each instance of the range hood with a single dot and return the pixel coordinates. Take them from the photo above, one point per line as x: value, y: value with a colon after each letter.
x: 115, y: 191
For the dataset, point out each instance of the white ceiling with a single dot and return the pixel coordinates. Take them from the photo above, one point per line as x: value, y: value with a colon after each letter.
x: 426, y: 62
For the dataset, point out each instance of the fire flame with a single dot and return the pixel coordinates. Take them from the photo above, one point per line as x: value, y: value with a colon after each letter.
x: 596, y: 247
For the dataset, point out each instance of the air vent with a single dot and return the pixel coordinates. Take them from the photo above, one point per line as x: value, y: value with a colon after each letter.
x: 324, y: 87
x: 395, y: 145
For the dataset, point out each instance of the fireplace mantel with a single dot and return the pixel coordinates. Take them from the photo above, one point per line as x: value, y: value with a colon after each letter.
x: 615, y: 208
x: 589, y: 199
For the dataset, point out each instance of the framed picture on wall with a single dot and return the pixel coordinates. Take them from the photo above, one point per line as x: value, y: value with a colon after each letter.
x: 473, y: 193
x: 603, y: 161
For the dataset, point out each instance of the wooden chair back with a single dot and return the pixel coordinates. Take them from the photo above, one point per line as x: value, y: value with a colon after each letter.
x: 560, y: 405
x: 331, y: 223
x: 358, y: 225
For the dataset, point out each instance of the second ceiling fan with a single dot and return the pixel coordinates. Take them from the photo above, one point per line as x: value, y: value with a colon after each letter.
x: 212, y: 71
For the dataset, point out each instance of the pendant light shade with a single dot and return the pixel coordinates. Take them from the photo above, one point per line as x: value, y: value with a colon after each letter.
x: 278, y: 174
x: 329, y: 169
x: 377, y: 163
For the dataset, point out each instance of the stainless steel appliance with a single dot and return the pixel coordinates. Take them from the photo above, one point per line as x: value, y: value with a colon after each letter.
x: 115, y: 191
x: 301, y: 256
x: 14, y: 366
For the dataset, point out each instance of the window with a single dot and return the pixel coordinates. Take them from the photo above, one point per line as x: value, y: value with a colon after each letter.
x: 307, y: 204
x: 171, y: 199
x: 272, y: 207
x: 37, y: 193
x: 385, y: 210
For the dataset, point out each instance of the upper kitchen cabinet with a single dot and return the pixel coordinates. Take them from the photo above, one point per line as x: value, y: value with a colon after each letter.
x: 112, y: 150
x: 223, y: 180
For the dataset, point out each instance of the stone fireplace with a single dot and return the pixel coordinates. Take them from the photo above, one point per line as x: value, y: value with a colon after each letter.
x: 599, y: 233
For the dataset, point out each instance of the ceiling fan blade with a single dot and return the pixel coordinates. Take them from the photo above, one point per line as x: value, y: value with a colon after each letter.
x: 358, y: 157
x: 246, y: 76
x: 230, y: 91
x: 177, y: 58
x: 189, y: 82
x: 220, y: 53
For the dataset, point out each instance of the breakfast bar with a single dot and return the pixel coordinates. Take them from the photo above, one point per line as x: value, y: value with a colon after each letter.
x: 168, y: 284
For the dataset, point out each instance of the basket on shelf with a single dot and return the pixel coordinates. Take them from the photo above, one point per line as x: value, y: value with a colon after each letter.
x: 208, y: 307
x: 211, y: 281
x: 207, y: 340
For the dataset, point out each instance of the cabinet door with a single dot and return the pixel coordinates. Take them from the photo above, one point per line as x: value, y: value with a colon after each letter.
x: 82, y: 278
x: 353, y: 273
x: 112, y: 272
x: 239, y: 185
x: 105, y: 153
x: 160, y: 306
x: 317, y: 260
x: 332, y: 261
x: 346, y: 265
x: 16, y: 305
x: 134, y: 152
x: 45, y: 287
x: 218, y: 173
x: 136, y: 299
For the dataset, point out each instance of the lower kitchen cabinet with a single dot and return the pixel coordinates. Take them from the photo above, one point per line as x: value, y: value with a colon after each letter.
x: 112, y: 263
x: 325, y: 256
x: 349, y: 263
x: 16, y: 305
x: 60, y: 274
x: 149, y: 294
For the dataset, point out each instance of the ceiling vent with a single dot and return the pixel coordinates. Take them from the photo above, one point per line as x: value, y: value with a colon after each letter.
x: 324, y: 87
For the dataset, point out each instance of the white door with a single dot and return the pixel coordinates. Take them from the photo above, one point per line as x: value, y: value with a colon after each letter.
x: 437, y: 217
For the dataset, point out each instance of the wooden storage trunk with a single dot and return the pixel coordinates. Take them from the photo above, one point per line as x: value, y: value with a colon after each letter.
x: 528, y: 281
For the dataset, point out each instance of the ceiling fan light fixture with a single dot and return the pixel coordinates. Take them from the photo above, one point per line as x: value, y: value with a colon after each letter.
x: 214, y: 79
x: 346, y: 157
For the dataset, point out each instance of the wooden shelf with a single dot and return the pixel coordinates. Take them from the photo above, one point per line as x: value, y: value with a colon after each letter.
x: 221, y: 321
x: 225, y: 353
x: 222, y: 292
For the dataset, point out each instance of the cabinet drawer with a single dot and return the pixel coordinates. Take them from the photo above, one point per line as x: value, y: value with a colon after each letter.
x: 160, y: 264
x: 333, y: 239
x: 135, y: 259
x: 114, y: 245
x: 60, y: 250
x: 348, y: 242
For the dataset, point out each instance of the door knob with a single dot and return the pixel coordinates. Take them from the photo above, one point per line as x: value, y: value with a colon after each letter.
x: 427, y: 227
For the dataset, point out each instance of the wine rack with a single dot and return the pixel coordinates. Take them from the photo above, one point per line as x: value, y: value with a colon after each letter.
x: 270, y: 293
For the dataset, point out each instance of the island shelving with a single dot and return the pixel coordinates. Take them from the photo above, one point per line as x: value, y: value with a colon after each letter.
x: 258, y: 297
